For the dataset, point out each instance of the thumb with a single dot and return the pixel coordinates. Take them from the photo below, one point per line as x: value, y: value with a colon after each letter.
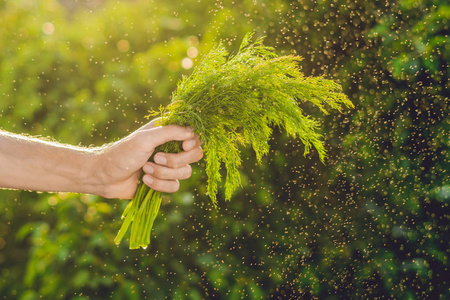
x: 163, y: 134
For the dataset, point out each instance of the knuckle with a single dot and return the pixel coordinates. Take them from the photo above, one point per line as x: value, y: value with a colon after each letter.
x: 160, y: 172
x: 148, y: 168
x: 174, y: 162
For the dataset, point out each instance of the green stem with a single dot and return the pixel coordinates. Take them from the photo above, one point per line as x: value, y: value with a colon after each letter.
x: 129, y: 214
x: 155, y: 202
x: 136, y: 227
x: 140, y: 213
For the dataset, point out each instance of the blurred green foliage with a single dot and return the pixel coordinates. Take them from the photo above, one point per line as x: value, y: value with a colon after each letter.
x: 371, y: 223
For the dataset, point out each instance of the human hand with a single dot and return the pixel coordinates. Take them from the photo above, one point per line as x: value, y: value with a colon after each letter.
x: 122, y: 164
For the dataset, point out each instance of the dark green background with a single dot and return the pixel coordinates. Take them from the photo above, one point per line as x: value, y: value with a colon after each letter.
x: 370, y: 224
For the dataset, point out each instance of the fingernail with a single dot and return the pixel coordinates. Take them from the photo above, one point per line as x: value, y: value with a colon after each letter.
x: 149, y: 169
x: 190, y: 144
x: 160, y: 160
x: 147, y: 180
x: 189, y: 128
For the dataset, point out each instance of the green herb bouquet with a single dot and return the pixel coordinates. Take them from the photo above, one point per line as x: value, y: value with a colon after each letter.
x: 231, y: 101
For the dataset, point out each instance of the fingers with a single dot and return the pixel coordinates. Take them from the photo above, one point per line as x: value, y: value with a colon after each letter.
x: 166, y: 173
x: 166, y: 186
x: 165, y: 179
x: 163, y: 174
x: 177, y: 160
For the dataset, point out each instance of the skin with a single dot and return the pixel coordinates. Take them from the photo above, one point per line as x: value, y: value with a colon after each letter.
x: 111, y: 171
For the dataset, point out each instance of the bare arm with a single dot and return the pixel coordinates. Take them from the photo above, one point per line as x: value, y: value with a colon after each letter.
x: 111, y: 171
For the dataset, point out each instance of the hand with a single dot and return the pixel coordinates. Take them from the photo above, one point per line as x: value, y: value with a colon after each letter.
x: 121, y: 164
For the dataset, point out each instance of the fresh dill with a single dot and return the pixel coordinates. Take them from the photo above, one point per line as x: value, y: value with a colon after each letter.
x: 232, y: 101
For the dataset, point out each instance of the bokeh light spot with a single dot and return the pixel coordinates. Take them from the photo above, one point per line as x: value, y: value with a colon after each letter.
x: 52, y: 201
x: 123, y: 45
x: 187, y: 63
x: 192, y: 52
x: 193, y: 40
x: 48, y: 28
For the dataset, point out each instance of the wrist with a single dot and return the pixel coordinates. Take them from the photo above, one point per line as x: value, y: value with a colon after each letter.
x: 106, y: 178
x: 90, y: 179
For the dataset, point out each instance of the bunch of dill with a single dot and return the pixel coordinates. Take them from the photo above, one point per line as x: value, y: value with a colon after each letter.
x: 231, y: 101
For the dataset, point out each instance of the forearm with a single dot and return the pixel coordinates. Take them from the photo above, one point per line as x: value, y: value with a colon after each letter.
x: 39, y: 165
x: 111, y: 171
